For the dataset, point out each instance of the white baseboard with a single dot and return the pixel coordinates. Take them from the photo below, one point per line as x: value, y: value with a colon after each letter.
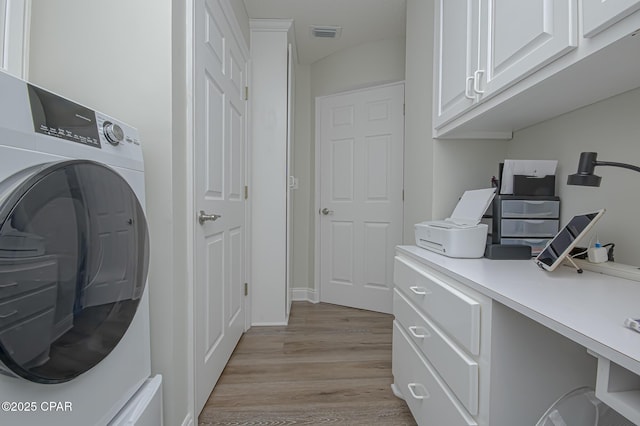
x: 268, y: 324
x: 305, y: 294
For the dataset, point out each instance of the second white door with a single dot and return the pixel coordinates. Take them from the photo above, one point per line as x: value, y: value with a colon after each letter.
x: 361, y: 145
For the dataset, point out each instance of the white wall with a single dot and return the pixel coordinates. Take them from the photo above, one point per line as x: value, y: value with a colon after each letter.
x: 460, y: 165
x: 302, y: 202
x: 612, y: 129
x: 437, y: 172
x: 359, y: 66
x: 418, y: 145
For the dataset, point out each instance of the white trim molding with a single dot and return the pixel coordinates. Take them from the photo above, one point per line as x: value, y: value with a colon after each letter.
x: 14, y: 52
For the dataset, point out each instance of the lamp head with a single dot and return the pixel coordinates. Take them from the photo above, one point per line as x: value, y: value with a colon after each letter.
x: 585, y: 176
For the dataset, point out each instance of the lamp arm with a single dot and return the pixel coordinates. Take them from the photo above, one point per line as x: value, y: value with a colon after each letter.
x: 614, y: 164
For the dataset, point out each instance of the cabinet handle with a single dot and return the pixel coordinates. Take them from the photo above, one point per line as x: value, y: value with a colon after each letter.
x: 413, y: 330
x: 420, y: 291
x: 533, y: 202
x: 413, y: 393
x: 476, y: 81
x: 467, y: 87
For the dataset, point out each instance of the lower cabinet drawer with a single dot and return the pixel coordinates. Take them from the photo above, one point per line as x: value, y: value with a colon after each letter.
x: 428, y: 398
x: 456, y: 368
x: 457, y: 314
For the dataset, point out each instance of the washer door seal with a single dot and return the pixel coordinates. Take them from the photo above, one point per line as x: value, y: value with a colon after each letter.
x: 74, y: 253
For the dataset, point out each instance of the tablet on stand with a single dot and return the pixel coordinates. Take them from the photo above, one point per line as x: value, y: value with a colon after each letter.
x: 561, y: 245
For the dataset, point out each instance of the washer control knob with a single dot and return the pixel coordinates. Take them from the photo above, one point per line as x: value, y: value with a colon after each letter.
x: 113, y: 133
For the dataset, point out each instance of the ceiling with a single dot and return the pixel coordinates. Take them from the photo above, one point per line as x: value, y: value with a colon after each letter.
x: 361, y: 21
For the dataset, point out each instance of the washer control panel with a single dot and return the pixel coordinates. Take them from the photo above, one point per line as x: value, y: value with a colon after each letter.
x: 56, y: 116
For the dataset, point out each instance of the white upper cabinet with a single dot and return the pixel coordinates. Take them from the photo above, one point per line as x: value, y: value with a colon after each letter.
x: 503, y: 65
x: 520, y: 36
x: 600, y: 14
x: 456, y: 46
x: 483, y: 47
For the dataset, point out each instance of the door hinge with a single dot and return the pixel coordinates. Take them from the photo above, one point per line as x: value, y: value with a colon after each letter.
x: 246, y: 289
x: 246, y: 93
x: 403, y: 195
x: 404, y: 109
x: 246, y: 192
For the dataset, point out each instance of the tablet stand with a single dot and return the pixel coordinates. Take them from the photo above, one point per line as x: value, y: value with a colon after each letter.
x: 578, y: 269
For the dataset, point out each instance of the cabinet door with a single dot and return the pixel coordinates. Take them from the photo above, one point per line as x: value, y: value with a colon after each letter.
x: 519, y: 37
x: 456, y: 58
x: 600, y: 14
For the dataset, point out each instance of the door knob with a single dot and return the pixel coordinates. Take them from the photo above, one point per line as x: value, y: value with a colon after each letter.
x: 203, y: 217
x: 326, y: 211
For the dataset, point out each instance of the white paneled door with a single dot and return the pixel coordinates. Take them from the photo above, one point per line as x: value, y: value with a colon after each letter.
x: 361, y: 137
x: 219, y: 202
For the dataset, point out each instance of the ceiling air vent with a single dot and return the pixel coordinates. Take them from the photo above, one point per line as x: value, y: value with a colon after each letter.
x: 324, y: 31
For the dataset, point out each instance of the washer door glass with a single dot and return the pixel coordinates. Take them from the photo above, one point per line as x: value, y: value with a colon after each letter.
x: 73, y: 266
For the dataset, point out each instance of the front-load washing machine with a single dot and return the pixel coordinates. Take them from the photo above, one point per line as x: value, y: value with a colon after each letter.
x: 74, y: 306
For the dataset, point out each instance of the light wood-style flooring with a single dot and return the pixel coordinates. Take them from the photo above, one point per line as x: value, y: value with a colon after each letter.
x: 330, y: 365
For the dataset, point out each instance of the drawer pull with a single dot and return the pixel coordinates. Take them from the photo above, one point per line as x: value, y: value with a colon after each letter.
x: 13, y: 284
x: 420, y: 291
x: 414, y: 331
x: 413, y: 393
x: 10, y: 314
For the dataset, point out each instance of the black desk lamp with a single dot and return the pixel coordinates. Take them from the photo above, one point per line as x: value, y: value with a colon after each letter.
x: 587, y: 164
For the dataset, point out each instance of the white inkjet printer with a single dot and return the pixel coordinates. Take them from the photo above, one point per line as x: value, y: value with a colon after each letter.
x: 462, y: 234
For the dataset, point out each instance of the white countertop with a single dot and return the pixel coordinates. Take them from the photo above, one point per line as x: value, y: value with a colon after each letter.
x: 588, y: 308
